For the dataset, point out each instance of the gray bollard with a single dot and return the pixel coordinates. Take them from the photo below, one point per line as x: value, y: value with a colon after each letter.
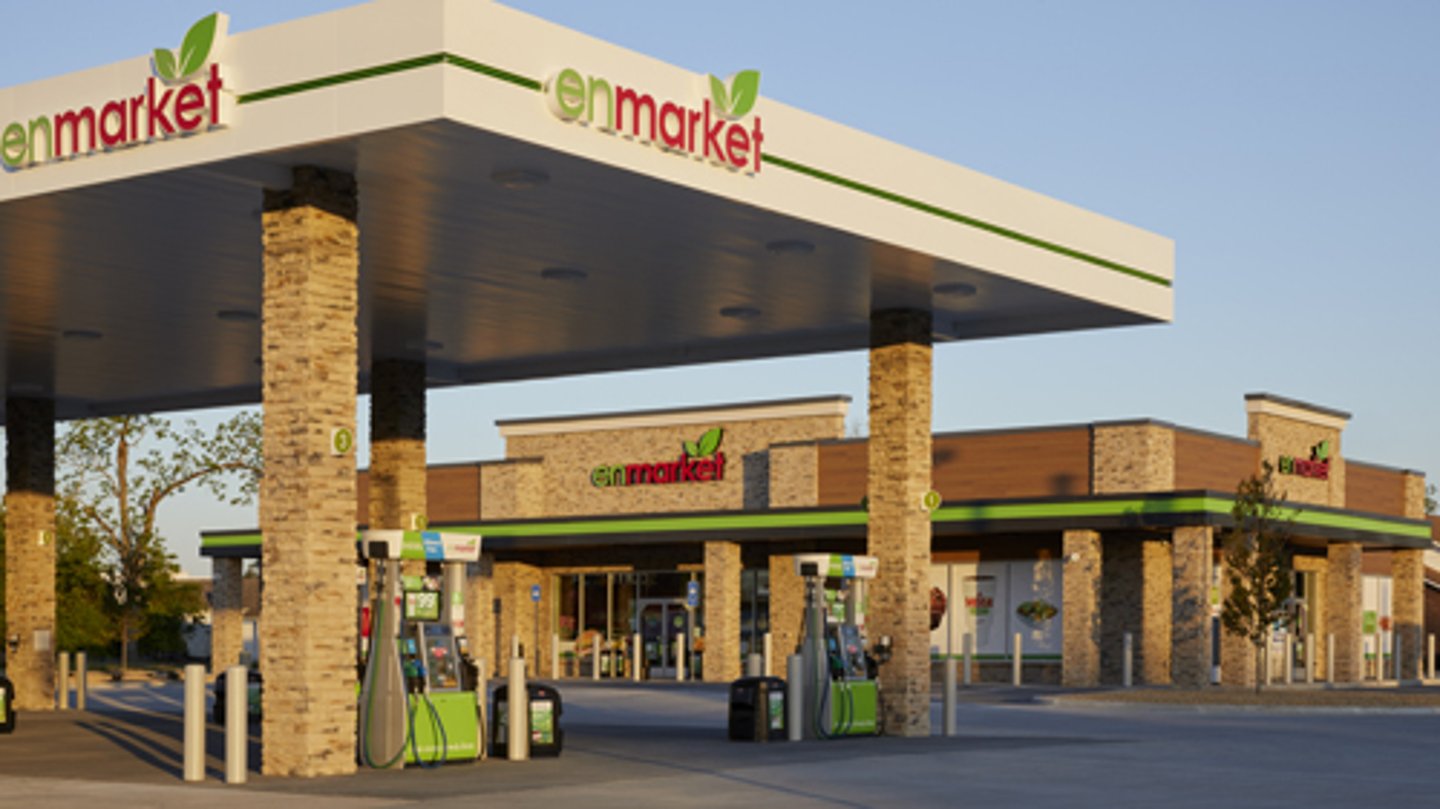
x: 62, y: 682
x: 637, y: 657
x: 82, y: 681
x: 1395, y: 657
x: 969, y: 650
x: 194, y: 757
x: 1127, y: 662
x: 1017, y: 660
x: 1430, y: 658
x: 1330, y: 659
x: 680, y: 657
x: 1310, y: 659
x: 948, y: 701
x: 795, y: 698
x: 237, y: 731
x: 517, y: 714
x: 754, y: 665
x: 769, y: 657
x: 1289, y: 667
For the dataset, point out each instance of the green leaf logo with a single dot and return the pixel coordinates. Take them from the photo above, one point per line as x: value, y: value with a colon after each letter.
x: 691, y: 449
x: 1321, y: 451
x: 194, y: 51
x: 710, y: 441
x: 737, y: 99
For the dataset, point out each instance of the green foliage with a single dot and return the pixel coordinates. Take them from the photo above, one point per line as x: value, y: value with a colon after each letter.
x: 84, y: 606
x: 1257, y: 561
x: 1430, y: 502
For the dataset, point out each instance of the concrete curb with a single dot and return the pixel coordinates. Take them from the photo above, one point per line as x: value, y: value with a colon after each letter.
x: 1167, y: 707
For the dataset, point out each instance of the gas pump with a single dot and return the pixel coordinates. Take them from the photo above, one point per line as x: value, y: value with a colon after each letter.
x: 841, y: 694
x: 419, y: 700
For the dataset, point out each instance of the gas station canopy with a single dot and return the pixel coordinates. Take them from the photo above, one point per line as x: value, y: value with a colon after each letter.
x: 533, y: 202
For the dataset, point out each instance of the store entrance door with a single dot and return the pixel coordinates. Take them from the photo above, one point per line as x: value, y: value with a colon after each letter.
x: 661, y: 619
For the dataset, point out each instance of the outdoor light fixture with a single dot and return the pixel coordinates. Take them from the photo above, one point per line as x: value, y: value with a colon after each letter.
x: 569, y: 275
x: 740, y: 312
x: 81, y: 334
x: 958, y: 289
x: 237, y: 315
x: 791, y: 247
x: 519, y: 179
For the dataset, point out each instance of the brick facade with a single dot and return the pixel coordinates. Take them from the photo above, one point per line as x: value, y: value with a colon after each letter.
x: 1132, y: 457
x: 1342, y: 609
x: 721, y: 604
x: 397, y: 444
x: 1193, y: 552
x: 1407, y: 571
x: 307, y: 648
x: 227, y: 614
x: 1081, y: 610
x: 30, y: 551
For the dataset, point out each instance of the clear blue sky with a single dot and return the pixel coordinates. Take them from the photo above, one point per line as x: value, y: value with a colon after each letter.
x: 1291, y: 148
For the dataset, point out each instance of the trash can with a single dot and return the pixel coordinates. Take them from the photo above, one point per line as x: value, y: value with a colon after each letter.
x: 757, y: 709
x: 546, y: 735
x: 7, y: 706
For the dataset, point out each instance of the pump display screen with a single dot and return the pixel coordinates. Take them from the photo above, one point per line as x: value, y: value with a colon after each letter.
x: 422, y: 606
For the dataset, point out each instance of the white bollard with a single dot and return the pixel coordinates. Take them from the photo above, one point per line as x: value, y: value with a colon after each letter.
x: 1330, y: 659
x: 1017, y: 660
x: 754, y: 665
x: 680, y: 657
x: 482, y: 679
x: 555, y: 656
x: 948, y: 701
x: 969, y: 646
x: 795, y: 698
x: 82, y: 681
x: 1310, y: 659
x: 769, y: 657
x: 1289, y: 667
x: 637, y: 657
x: 1127, y: 662
x: 62, y: 681
x: 595, y: 659
x: 1430, y: 658
x: 514, y: 646
x: 194, y: 757
x: 517, y: 714
x: 237, y: 698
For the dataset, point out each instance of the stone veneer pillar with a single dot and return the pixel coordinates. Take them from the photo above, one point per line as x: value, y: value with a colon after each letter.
x: 30, y: 551
x: 227, y: 613
x: 1193, y: 551
x: 307, y: 499
x: 722, y: 611
x: 1080, y: 614
x: 1237, y: 654
x: 1407, y: 596
x: 899, y: 529
x: 787, y: 610
x: 1342, y: 609
x: 518, y: 614
x: 480, y: 615
x: 397, y: 444
x: 1152, y: 650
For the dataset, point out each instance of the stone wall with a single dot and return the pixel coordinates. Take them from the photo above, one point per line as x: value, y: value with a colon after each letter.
x: 30, y: 551
x: 1407, y: 571
x: 794, y: 475
x: 1342, y: 609
x: 787, y: 611
x: 1135, y: 597
x: 1133, y: 457
x: 512, y: 490
x: 1081, y: 610
x: 721, y: 604
x: 1193, y: 553
x: 481, y: 617
x: 397, y: 479
x: 1295, y: 437
x: 227, y: 613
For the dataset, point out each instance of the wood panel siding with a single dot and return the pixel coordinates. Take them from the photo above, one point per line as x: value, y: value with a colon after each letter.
x: 452, y: 494
x: 1374, y: 488
x: 976, y: 466
x: 1204, y: 461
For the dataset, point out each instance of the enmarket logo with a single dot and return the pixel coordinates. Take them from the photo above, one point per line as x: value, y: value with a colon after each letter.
x: 183, y: 97
x: 716, y: 130
x: 1317, y: 467
x: 700, y: 462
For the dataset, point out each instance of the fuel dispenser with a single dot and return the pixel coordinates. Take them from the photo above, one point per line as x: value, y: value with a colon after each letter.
x: 419, y: 699
x: 841, y: 694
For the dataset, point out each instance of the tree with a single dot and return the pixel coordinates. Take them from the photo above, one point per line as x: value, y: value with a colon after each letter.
x: 1258, y: 564
x: 119, y: 471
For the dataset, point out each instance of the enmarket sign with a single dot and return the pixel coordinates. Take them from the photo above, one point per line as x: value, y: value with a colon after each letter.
x: 716, y: 130
x: 700, y: 462
x: 182, y: 97
x: 1317, y: 466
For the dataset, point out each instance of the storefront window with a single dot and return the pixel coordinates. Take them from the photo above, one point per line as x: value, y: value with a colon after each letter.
x: 568, y: 606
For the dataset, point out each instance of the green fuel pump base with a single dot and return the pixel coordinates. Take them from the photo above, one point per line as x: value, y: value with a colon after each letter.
x: 839, y: 697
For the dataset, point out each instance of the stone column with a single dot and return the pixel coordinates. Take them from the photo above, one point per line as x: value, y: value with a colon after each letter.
x: 1342, y: 609
x: 1193, y: 552
x: 227, y: 613
x: 480, y: 616
x: 1080, y: 613
x: 787, y: 610
x: 30, y: 551
x: 899, y: 530
x: 1407, y: 596
x: 307, y: 499
x: 518, y: 614
x: 1237, y: 654
x: 1152, y: 653
x: 397, y: 446
x: 722, y: 611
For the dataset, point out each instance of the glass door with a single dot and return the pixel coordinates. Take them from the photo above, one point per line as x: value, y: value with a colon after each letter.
x: 660, y: 621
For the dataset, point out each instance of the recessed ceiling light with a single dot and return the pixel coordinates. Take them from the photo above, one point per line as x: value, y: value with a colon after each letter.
x: 959, y: 289
x: 740, y: 312
x: 517, y: 179
x: 791, y: 247
x: 237, y: 315
x: 81, y: 334
x: 566, y: 274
